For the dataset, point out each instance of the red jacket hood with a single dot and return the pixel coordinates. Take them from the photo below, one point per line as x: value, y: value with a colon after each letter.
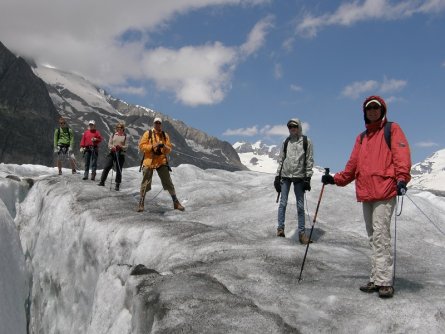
x: 382, y: 102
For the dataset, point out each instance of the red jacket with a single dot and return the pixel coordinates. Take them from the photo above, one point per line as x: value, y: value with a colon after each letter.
x: 374, y: 167
x: 87, y: 137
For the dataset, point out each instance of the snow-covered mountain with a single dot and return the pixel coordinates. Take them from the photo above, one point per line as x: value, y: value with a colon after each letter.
x: 430, y: 174
x: 259, y: 156
x: 94, y: 265
x: 32, y: 98
x: 79, y: 100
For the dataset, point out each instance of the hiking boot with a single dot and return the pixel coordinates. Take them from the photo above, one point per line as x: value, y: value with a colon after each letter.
x: 280, y: 232
x: 60, y: 172
x: 85, y: 177
x: 178, y: 206
x: 386, y: 292
x: 116, y: 187
x: 101, y: 183
x: 73, y: 171
x: 304, y: 239
x: 370, y: 287
x: 140, y: 207
x: 93, y: 176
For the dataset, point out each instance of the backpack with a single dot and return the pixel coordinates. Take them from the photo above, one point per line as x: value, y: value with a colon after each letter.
x: 286, y: 142
x: 150, y: 137
x: 387, y: 131
x: 58, y: 134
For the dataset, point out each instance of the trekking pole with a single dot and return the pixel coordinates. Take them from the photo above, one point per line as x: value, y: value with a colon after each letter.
x: 395, y: 242
x: 326, y: 172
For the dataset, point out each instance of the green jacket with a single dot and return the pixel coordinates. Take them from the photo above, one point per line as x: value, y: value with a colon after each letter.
x: 63, y: 136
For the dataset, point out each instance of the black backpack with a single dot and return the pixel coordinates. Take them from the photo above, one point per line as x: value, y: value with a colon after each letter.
x: 387, y: 131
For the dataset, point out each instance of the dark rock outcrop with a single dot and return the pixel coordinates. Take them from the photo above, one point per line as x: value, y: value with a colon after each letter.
x: 27, y: 114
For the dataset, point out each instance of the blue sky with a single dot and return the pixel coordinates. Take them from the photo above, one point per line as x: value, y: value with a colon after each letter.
x: 239, y: 69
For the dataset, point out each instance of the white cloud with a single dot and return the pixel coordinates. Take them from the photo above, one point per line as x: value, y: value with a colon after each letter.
x: 353, y: 12
x: 295, y: 88
x: 247, y: 132
x: 278, y: 71
x: 392, y: 85
x: 197, y: 75
x: 130, y: 90
x: 267, y: 131
x: 89, y: 40
x: 257, y: 36
x: 288, y: 43
x: 426, y: 144
x: 359, y: 88
x: 274, y: 130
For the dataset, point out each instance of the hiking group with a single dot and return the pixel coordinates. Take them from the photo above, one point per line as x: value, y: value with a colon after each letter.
x: 380, y: 165
x: 155, y: 145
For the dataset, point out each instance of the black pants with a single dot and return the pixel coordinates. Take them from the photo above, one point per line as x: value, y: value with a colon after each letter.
x: 119, y: 160
x: 90, y: 155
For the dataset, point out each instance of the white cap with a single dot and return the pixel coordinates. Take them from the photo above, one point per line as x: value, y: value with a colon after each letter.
x: 92, y: 122
x: 373, y: 101
x: 157, y: 119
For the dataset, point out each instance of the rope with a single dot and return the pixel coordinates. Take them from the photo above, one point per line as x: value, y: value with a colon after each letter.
x: 429, y: 219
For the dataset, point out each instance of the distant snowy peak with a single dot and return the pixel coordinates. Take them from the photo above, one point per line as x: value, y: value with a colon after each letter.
x: 430, y: 174
x: 258, y: 147
x: 258, y: 156
x: 77, y: 89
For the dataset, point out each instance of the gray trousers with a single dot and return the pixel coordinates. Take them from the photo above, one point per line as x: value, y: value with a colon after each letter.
x: 378, y: 223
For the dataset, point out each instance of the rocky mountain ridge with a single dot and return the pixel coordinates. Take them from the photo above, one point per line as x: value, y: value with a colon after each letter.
x: 32, y: 98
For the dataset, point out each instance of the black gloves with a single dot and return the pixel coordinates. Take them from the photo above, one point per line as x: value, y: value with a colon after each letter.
x: 307, y: 184
x: 327, y: 179
x: 277, y: 184
x: 401, y: 188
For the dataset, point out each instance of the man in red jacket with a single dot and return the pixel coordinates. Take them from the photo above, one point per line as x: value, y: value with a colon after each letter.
x: 380, y: 164
x: 91, y: 138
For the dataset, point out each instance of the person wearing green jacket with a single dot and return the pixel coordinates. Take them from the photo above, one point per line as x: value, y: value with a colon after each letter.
x: 64, y: 144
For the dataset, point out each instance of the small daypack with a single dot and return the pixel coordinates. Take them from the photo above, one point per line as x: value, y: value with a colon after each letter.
x: 58, y: 135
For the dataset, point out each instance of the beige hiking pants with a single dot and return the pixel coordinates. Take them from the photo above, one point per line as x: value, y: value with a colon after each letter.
x: 378, y: 222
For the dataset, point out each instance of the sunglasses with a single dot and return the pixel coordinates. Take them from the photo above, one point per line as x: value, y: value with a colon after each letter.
x: 292, y: 127
x: 119, y: 127
x: 373, y: 107
x: 158, y: 123
x: 62, y: 123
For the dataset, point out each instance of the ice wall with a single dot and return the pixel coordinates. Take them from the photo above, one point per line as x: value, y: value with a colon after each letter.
x: 13, y: 284
x: 218, y: 267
